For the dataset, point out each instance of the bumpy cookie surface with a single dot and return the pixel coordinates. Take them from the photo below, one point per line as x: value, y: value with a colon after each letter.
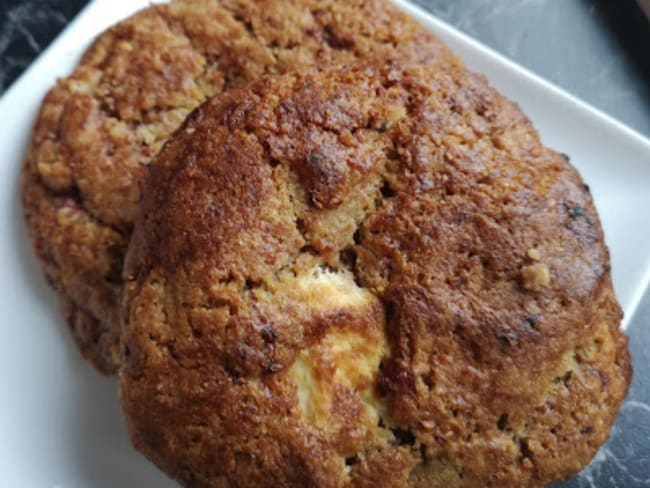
x: 99, y: 128
x: 378, y: 277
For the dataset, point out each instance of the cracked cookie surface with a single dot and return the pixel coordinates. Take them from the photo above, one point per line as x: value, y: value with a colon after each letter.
x: 374, y: 277
x: 99, y: 128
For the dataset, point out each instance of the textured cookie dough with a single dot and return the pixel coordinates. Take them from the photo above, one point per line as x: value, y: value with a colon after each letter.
x: 375, y: 277
x: 99, y: 128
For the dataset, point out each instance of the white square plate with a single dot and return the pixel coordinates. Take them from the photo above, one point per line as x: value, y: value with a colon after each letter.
x: 60, y: 423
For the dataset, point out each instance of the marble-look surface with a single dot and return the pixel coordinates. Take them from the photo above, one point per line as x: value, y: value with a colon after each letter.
x: 595, y: 49
x: 26, y: 28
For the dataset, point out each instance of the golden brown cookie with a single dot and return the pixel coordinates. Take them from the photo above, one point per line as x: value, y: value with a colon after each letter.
x: 376, y: 277
x: 99, y: 128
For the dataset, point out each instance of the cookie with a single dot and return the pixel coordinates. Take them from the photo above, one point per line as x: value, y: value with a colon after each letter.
x: 374, y: 277
x: 98, y: 129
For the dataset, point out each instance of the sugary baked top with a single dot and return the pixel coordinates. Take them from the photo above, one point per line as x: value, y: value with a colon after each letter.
x: 377, y: 276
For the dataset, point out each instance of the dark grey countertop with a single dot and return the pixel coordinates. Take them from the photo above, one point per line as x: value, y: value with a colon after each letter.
x: 599, y: 50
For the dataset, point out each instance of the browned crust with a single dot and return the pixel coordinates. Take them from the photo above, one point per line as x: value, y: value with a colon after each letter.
x: 483, y: 253
x: 98, y: 129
